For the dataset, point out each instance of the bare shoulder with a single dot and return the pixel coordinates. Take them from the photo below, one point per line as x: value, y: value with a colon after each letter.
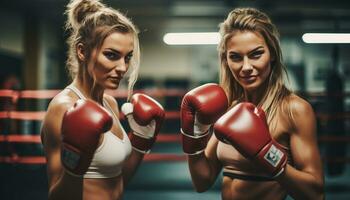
x: 59, y: 104
x: 299, y: 106
x: 51, y: 126
x: 302, y: 114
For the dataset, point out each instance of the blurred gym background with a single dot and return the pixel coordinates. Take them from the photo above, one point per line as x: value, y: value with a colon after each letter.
x: 32, y: 71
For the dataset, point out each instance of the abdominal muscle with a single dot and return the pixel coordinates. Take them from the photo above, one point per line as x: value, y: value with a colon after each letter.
x: 240, y: 189
x: 103, y: 188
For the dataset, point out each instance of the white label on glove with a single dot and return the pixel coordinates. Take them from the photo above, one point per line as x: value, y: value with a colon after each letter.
x: 273, y: 155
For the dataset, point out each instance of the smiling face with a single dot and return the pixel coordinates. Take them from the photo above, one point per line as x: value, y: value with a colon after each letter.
x: 109, y: 64
x: 248, y: 58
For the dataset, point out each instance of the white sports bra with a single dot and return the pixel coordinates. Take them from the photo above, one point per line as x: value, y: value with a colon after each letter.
x: 110, y: 156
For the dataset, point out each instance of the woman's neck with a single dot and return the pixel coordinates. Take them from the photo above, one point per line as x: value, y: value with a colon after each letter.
x: 87, y: 88
x: 255, y: 96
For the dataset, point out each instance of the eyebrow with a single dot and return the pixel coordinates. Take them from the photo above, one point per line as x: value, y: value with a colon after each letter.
x: 251, y: 51
x: 116, y: 51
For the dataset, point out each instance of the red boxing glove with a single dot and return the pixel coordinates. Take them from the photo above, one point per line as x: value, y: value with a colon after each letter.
x: 200, y: 108
x: 245, y: 128
x: 82, y: 127
x: 145, y: 116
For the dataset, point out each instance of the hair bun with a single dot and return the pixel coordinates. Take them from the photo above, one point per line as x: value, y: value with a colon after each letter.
x: 77, y: 10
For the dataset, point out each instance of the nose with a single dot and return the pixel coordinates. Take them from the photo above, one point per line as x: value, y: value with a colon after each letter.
x: 247, y: 67
x: 121, y: 67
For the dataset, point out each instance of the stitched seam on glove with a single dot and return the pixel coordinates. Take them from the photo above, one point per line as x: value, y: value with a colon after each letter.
x: 196, y: 136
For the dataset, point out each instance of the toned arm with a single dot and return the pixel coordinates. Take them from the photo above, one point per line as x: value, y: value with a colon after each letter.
x: 205, y: 167
x: 304, y: 180
x: 61, y: 184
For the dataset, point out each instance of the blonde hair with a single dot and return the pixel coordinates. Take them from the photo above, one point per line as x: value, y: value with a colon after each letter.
x: 250, y: 19
x: 90, y: 22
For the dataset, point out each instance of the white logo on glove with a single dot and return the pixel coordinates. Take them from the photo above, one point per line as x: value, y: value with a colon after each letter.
x: 273, y: 155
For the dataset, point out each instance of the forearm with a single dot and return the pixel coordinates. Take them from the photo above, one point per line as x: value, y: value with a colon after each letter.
x: 202, y: 174
x: 67, y: 187
x: 131, y: 165
x: 301, y: 185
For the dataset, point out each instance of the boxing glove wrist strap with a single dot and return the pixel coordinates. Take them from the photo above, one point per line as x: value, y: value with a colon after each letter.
x: 74, y: 175
x: 141, y: 135
x: 279, y: 173
x: 200, y: 136
x: 193, y: 145
x: 141, y: 151
x: 273, y: 159
x: 141, y: 144
x: 71, y: 158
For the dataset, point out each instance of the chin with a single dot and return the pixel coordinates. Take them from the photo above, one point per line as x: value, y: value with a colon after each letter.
x: 251, y: 87
x: 112, y: 86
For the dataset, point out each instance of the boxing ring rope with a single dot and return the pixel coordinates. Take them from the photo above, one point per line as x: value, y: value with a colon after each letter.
x: 39, y: 115
x: 34, y: 138
x: 162, y: 138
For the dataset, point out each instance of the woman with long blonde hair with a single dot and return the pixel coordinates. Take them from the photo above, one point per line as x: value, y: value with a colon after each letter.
x: 266, y: 143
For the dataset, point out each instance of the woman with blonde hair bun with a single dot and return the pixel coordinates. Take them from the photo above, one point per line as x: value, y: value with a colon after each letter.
x: 88, y: 153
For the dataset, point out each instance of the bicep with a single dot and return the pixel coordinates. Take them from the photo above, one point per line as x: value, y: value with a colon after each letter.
x: 51, y: 136
x: 210, y: 153
x: 304, y: 147
x: 52, y: 153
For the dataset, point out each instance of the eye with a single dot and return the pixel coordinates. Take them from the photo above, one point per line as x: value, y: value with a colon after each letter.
x: 111, y: 55
x: 235, y: 57
x: 128, y: 58
x: 256, y: 54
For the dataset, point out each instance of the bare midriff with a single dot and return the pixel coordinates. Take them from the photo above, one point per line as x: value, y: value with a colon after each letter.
x: 241, y: 189
x: 103, y: 188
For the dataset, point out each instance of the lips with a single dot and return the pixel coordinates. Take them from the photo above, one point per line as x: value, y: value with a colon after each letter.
x: 250, y: 78
x: 115, y: 78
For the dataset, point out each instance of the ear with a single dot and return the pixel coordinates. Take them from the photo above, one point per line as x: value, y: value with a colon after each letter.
x: 81, y: 51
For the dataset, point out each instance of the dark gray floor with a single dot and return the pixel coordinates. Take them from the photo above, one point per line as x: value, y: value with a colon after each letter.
x: 153, y: 181
x: 170, y: 195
